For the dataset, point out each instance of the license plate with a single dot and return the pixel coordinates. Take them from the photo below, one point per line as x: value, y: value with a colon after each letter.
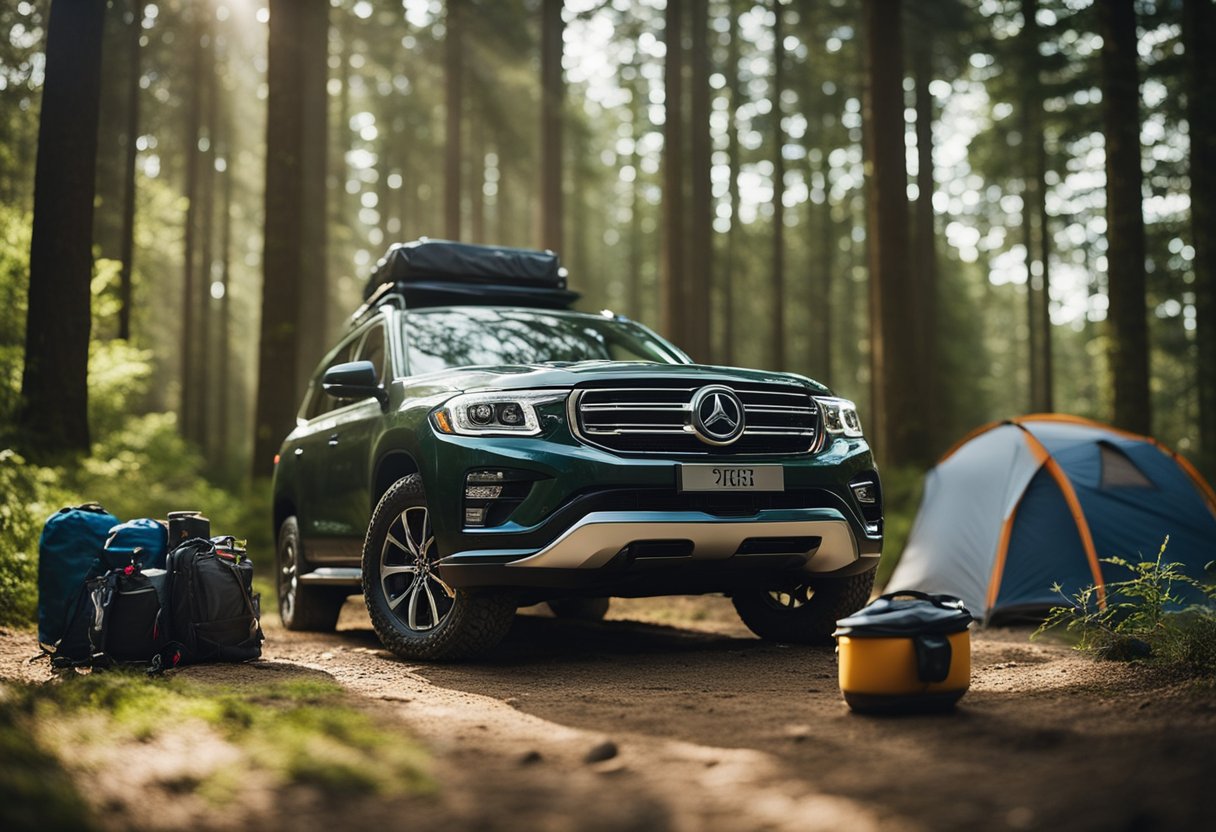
x: 731, y: 478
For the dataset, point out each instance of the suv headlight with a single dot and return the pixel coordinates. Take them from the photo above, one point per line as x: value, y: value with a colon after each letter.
x: 504, y: 412
x: 840, y: 417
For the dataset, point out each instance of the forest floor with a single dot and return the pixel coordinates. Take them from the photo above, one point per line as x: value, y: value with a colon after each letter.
x: 671, y: 716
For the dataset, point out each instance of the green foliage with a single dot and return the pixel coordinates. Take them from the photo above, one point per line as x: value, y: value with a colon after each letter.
x: 1137, y: 621
x: 901, y: 493
x: 32, y: 494
x: 14, y: 269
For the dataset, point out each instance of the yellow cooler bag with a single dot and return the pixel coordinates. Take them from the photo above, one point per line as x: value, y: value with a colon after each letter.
x: 906, y: 652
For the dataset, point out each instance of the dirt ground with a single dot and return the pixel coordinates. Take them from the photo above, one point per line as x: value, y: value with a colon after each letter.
x: 671, y: 716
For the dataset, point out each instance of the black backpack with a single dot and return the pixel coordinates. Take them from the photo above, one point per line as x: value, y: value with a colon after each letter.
x: 213, y: 611
x: 120, y: 618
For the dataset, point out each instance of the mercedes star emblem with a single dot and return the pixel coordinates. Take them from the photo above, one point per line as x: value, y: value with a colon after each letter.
x: 717, y: 415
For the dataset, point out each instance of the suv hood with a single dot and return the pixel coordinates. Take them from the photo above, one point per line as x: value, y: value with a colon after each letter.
x: 528, y: 376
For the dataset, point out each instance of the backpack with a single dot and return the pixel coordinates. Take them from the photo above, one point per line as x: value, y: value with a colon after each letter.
x: 213, y: 611
x: 119, y: 618
x: 140, y: 541
x: 68, y: 550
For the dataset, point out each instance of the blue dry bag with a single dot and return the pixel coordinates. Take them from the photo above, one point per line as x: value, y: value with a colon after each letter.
x: 71, y: 544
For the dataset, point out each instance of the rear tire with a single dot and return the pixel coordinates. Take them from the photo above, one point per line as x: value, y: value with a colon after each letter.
x: 303, y: 608
x: 580, y: 609
x: 805, y: 611
x: 415, y: 614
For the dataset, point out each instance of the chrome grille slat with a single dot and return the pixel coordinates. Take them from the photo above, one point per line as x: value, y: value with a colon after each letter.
x: 655, y: 419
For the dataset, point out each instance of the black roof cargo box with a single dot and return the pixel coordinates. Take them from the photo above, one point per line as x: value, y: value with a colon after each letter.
x: 439, y: 272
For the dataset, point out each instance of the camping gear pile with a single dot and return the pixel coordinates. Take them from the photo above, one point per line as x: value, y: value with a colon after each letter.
x: 906, y: 652
x: 114, y: 593
x: 1024, y: 504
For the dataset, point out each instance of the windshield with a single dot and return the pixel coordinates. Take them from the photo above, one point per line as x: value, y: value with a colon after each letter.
x: 483, y: 336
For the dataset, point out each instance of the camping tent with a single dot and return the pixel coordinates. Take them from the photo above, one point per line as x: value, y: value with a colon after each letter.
x: 1022, y: 504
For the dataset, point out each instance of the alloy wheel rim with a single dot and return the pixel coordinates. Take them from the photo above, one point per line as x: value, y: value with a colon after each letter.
x: 287, y: 579
x: 415, y: 593
x: 791, y: 598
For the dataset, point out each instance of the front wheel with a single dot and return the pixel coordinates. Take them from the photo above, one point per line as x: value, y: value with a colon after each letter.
x: 414, y: 612
x: 805, y: 610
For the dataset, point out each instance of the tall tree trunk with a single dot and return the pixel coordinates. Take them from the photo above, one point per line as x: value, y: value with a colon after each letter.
x: 453, y: 158
x: 826, y: 346
x: 674, y: 274
x: 553, y: 94
x: 201, y: 375
x: 637, y: 104
x: 312, y: 332
x: 925, y: 274
x: 224, y: 338
x: 1034, y: 214
x: 898, y: 410
x: 283, y: 257
x: 1198, y: 32
x: 1129, y: 353
x: 54, y: 415
x: 727, y: 279
x: 699, y: 283
x: 188, y: 394
x: 127, y: 242
x: 477, y: 180
x: 821, y: 254
x: 777, y: 324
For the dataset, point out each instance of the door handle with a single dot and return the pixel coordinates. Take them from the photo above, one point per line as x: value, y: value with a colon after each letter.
x: 333, y: 440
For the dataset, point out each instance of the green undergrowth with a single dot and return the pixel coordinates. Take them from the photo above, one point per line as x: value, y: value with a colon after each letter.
x: 1144, y: 619
x: 901, y: 493
x: 286, y: 733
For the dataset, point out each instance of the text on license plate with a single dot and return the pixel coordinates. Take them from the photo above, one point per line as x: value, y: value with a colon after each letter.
x: 731, y: 478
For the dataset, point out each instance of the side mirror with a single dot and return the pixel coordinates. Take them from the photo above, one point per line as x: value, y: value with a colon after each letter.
x: 354, y: 380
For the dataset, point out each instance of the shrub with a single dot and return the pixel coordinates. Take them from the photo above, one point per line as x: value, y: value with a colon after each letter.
x: 1143, y: 618
x: 32, y: 494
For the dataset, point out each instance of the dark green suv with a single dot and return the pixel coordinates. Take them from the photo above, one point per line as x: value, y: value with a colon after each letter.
x: 470, y: 447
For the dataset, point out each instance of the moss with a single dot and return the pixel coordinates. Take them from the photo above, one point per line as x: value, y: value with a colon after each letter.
x: 299, y: 731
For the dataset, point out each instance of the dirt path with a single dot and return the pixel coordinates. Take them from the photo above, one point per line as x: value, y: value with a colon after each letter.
x: 713, y: 729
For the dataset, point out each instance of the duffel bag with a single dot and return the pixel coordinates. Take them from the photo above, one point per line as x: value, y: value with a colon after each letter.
x: 68, y: 551
x: 142, y: 542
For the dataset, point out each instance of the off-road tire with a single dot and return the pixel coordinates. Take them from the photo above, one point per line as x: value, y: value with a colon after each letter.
x: 309, y: 608
x: 475, y: 623
x: 814, y: 620
x: 580, y: 609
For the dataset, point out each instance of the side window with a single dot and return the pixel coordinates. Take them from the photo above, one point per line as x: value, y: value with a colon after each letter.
x: 373, y: 350
x: 320, y: 401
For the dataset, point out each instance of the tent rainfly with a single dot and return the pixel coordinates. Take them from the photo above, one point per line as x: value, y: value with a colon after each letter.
x: 1020, y: 505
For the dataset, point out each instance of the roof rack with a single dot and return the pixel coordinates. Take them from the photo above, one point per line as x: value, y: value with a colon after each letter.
x: 426, y: 273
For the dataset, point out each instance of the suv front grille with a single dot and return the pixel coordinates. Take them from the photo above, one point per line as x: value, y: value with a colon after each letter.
x: 656, y: 418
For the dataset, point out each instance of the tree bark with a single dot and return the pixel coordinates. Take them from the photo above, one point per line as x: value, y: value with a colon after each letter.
x: 454, y: 63
x: 1034, y: 215
x: 925, y: 315
x: 187, y: 409
x: 699, y: 283
x: 727, y: 279
x: 674, y: 276
x: 1129, y: 354
x: 898, y: 411
x: 54, y: 417
x: 553, y: 94
x: 1198, y: 31
x: 282, y: 261
x: 777, y: 324
x: 127, y: 242
x: 637, y: 104
x: 312, y: 332
x: 201, y: 375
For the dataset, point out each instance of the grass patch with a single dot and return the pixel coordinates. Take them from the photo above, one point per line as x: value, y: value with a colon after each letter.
x: 291, y: 732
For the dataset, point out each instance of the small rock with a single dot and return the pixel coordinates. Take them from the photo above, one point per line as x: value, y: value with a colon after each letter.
x: 530, y: 758
x: 511, y: 700
x: 395, y: 697
x: 605, y: 750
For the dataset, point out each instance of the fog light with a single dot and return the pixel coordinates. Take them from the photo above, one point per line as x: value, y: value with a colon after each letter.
x: 474, y: 516
x: 866, y: 493
x: 483, y: 492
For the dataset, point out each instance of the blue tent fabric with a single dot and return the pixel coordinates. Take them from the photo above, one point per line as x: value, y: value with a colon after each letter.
x: 1132, y: 493
x: 1044, y: 548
